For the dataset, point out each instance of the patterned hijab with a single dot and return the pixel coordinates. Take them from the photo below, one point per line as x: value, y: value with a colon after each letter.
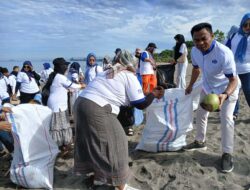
x: 107, y: 63
x: 122, y: 61
x: 242, y: 46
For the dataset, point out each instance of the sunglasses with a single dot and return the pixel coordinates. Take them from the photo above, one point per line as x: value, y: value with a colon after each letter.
x: 26, y: 66
x: 246, y: 25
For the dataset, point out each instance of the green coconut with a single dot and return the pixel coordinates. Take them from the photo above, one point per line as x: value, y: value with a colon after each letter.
x: 210, y: 102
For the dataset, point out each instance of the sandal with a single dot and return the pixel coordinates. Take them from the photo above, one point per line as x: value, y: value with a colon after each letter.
x: 130, y: 131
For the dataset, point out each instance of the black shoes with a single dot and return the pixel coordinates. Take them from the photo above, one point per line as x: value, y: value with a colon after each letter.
x: 227, y: 164
x: 196, y: 145
x: 235, y: 116
x: 226, y: 159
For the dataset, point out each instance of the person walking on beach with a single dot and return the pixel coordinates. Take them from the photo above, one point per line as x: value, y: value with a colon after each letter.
x: 147, y: 69
x: 59, y: 84
x: 240, y: 45
x: 92, y: 68
x: 216, y: 61
x: 101, y: 146
x: 181, y: 52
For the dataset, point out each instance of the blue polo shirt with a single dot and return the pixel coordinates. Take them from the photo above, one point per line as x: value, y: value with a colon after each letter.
x: 217, y: 65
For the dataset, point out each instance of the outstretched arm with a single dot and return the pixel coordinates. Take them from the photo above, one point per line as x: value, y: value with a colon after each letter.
x: 194, y: 77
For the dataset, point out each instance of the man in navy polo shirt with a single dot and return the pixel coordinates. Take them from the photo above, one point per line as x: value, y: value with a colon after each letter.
x: 216, y: 62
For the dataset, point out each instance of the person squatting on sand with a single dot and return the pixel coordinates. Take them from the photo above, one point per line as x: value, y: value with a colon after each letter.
x: 59, y: 84
x: 101, y: 146
x: 216, y: 61
x: 240, y: 45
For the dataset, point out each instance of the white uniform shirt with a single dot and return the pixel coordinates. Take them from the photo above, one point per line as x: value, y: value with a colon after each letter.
x: 4, y: 82
x: 244, y: 67
x: 12, y: 80
x: 145, y: 67
x: 217, y: 64
x: 183, y: 49
x: 93, y: 72
x: 27, y: 85
x: 45, y: 74
x: 123, y: 89
x: 74, y: 77
x: 58, y: 93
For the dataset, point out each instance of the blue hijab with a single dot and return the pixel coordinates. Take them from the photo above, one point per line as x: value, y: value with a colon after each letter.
x: 89, y: 66
x: 242, y: 46
x: 29, y: 73
x: 46, y: 66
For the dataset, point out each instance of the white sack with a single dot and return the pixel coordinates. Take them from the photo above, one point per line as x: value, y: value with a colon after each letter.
x: 34, y: 149
x: 197, y: 87
x: 167, y: 122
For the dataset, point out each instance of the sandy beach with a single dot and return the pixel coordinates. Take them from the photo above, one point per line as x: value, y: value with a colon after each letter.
x: 171, y: 170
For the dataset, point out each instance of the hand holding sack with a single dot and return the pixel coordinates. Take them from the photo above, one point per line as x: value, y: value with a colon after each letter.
x: 158, y: 92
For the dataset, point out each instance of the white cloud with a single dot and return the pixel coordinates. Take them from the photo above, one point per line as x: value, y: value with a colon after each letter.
x: 101, y: 26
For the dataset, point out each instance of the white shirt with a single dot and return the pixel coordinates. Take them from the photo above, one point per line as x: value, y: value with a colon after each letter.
x: 217, y: 64
x: 244, y: 67
x: 4, y: 82
x: 123, y: 89
x: 12, y: 80
x: 145, y: 67
x: 92, y: 73
x: 45, y: 74
x: 183, y: 49
x: 27, y: 85
x: 58, y: 93
x: 74, y: 77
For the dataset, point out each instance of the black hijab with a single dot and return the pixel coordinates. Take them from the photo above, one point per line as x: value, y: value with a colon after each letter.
x: 60, y: 66
x: 180, y: 40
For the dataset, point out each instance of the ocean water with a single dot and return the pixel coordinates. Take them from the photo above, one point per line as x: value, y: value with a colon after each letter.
x: 37, y: 65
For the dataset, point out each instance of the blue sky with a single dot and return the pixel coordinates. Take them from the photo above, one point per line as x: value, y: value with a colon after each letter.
x: 41, y: 29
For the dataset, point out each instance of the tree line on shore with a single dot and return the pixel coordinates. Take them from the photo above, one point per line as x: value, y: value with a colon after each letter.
x: 168, y: 54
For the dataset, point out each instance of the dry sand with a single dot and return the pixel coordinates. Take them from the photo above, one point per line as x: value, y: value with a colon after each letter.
x: 173, y: 170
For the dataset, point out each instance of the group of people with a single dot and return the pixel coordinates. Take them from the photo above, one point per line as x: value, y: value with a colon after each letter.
x: 101, y: 148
